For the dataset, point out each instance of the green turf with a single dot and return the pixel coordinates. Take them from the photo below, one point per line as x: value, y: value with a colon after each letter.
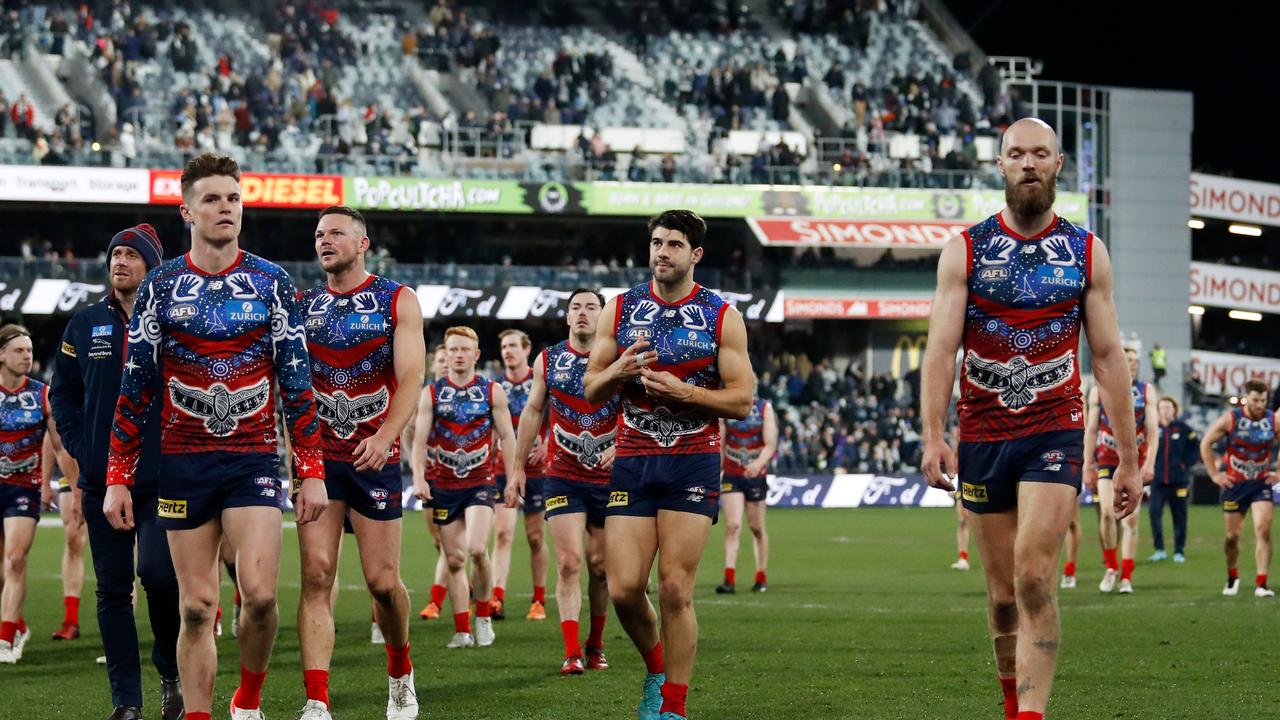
x: 863, y: 620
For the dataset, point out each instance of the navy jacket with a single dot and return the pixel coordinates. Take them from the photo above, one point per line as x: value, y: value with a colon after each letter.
x: 1176, y: 453
x: 86, y: 385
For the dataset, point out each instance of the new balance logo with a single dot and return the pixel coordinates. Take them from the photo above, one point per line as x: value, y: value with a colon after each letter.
x: 1019, y: 381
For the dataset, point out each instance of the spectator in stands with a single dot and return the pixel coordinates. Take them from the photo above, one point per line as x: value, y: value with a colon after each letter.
x: 668, y: 168
x: 128, y: 143
x: 4, y: 113
x: 781, y: 104
x: 835, y: 77
x: 23, y: 116
x: 637, y: 172
x: 182, y: 49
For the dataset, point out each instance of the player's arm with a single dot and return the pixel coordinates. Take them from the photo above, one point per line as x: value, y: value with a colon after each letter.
x: 1093, y: 418
x: 1151, y: 428
x: 503, y: 427
x: 422, y: 432
x: 733, y: 399
x: 938, y: 373
x: 67, y: 391
x: 409, y: 355
x: 1111, y: 373
x: 607, y: 369
x: 760, y: 466
x: 137, y: 390
x: 531, y: 418
x: 47, y: 461
x: 293, y: 376
x: 1216, y: 432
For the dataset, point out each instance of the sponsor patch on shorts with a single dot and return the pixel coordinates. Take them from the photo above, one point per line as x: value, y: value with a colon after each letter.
x: 175, y: 509
x: 1104, y: 473
x: 973, y: 493
x: 442, y: 513
x: 619, y: 498
x: 1230, y: 505
x: 556, y: 502
x: 726, y: 487
x: 1182, y: 492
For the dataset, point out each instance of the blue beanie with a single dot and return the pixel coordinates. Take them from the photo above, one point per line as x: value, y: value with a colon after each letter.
x: 142, y: 238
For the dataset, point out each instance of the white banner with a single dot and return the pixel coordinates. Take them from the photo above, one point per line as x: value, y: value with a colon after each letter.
x: 74, y: 184
x: 1225, y: 373
x: 1235, y: 287
x: 1231, y: 199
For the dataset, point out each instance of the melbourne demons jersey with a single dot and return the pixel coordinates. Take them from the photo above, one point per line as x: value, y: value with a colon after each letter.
x: 743, y: 440
x: 353, y: 365
x: 1106, y: 454
x: 581, y: 432
x: 1021, y: 375
x: 216, y: 346
x: 686, y: 336
x: 517, y: 397
x: 24, y: 415
x: 461, y: 434
x: 1251, y: 444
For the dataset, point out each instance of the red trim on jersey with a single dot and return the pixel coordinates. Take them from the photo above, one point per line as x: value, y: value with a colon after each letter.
x: 367, y: 282
x: 617, y: 315
x: 720, y: 324
x: 1088, y: 258
x: 681, y: 301
x: 464, y: 385
x: 191, y: 264
x: 1052, y: 224
x: 968, y: 253
x: 1029, y: 317
x: 26, y: 380
x: 395, y: 301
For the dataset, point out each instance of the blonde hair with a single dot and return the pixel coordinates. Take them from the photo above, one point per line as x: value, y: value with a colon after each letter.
x: 524, y: 337
x: 463, y: 331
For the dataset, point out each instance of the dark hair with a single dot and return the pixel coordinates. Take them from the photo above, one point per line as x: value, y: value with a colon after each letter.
x: 208, y: 165
x: 350, y: 212
x: 1255, y: 385
x: 580, y: 291
x: 11, y: 331
x: 684, y: 221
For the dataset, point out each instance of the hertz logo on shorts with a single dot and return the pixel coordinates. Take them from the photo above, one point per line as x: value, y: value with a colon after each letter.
x: 1104, y: 473
x: 973, y: 493
x: 726, y: 487
x: 557, y: 502
x: 176, y: 509
x: 619, y: 499
x: 1230, y: 505
x: 442, y: 513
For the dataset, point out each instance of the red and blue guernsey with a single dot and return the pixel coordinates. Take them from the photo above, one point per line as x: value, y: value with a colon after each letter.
x: 744, y: 440
x: 582, y: 432
x: 1020, y: 375
x: 1106, y: 455
x: 517, y: 398
x: 217, y: 346
x: 1251, y: 445
x: 353, y: 367
x: 24, y: 415
x: 686, y: 336
x: 461, y: 434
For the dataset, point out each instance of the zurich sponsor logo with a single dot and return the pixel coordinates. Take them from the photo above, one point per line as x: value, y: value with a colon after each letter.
x: 185, y: 311
x: 246, y: 310
x: 101, y: 331
x: 1063, y: 277
x: 695, y: 340
x: 365, y: 322
x: 993, y: 274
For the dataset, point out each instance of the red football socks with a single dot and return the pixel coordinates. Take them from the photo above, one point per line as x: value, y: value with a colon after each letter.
x: 760, y: 577
x: 500, y: 594
x: 595, y: 640
x: 317, y: 684
x: 1233, y: 573
x: 673, y: 698
x: 1069, y: 569
x: 540, y: 594
x: 1126, y: 569
x: 462, y: 622
x: 1110, y: 559
x: 1262, y: 579
x: 1028, y: 715
x: 1009, y: 686
x: 398, y: 663
x: 569, y: 628
x: 729, y: 574
x: 964, y: 554
x: 653, y: 660
x: 237, y: 598
x: 22, y: 624
x: 198, y: 716
x: 437, y: 595
x: 70, y: 610
x: 8, y: 631
x: 484, y: 609
x: 249, y: 695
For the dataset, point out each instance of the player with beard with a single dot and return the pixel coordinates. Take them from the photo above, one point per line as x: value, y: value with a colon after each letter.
x: 364, y: 334
x: 458, y: 418
x: 517, y: 381
x: 676, y: 355
x: 218, y: 332
x: 1099, y: 467
x: 577, y: 484
x: 25, y: 418
x: 1015, y: 291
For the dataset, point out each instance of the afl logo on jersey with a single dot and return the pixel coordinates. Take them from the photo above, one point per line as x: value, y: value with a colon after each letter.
x: 637, y: 334
x: 185, y: 311
x: 994, y: 274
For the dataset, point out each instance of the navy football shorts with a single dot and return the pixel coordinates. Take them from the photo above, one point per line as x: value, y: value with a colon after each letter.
x: 1238, y: 497
x: 196, y: 487
x: 19, y: 502
x: 450, y: 505
x: 754, y: 489
x: 990, y: 471
x: 534, y: 493
x: 644, y: 484
x: 565, y: 497
x: 374, y: 495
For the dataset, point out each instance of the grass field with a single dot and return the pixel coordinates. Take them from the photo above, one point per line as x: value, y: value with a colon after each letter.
x: 863, y: 620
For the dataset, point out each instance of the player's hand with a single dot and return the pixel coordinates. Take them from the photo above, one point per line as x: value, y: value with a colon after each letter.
x: 1089, y: 473
x: 1128, y: 487
x: 633, y: 360
x: 1273, y: 477
x: 371, y: 454
x: 665, y: 387
x: 311, y: 501
x: 606, y: 457
x: 47, y: 496
x: 514, y: 494
x: 1148, y: 473
x: 939, y: 465
x: 118, y: 507
x: 1220, y: 479
x: 755, y: 469
x: 539, y: 455
x: 421, y: 489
